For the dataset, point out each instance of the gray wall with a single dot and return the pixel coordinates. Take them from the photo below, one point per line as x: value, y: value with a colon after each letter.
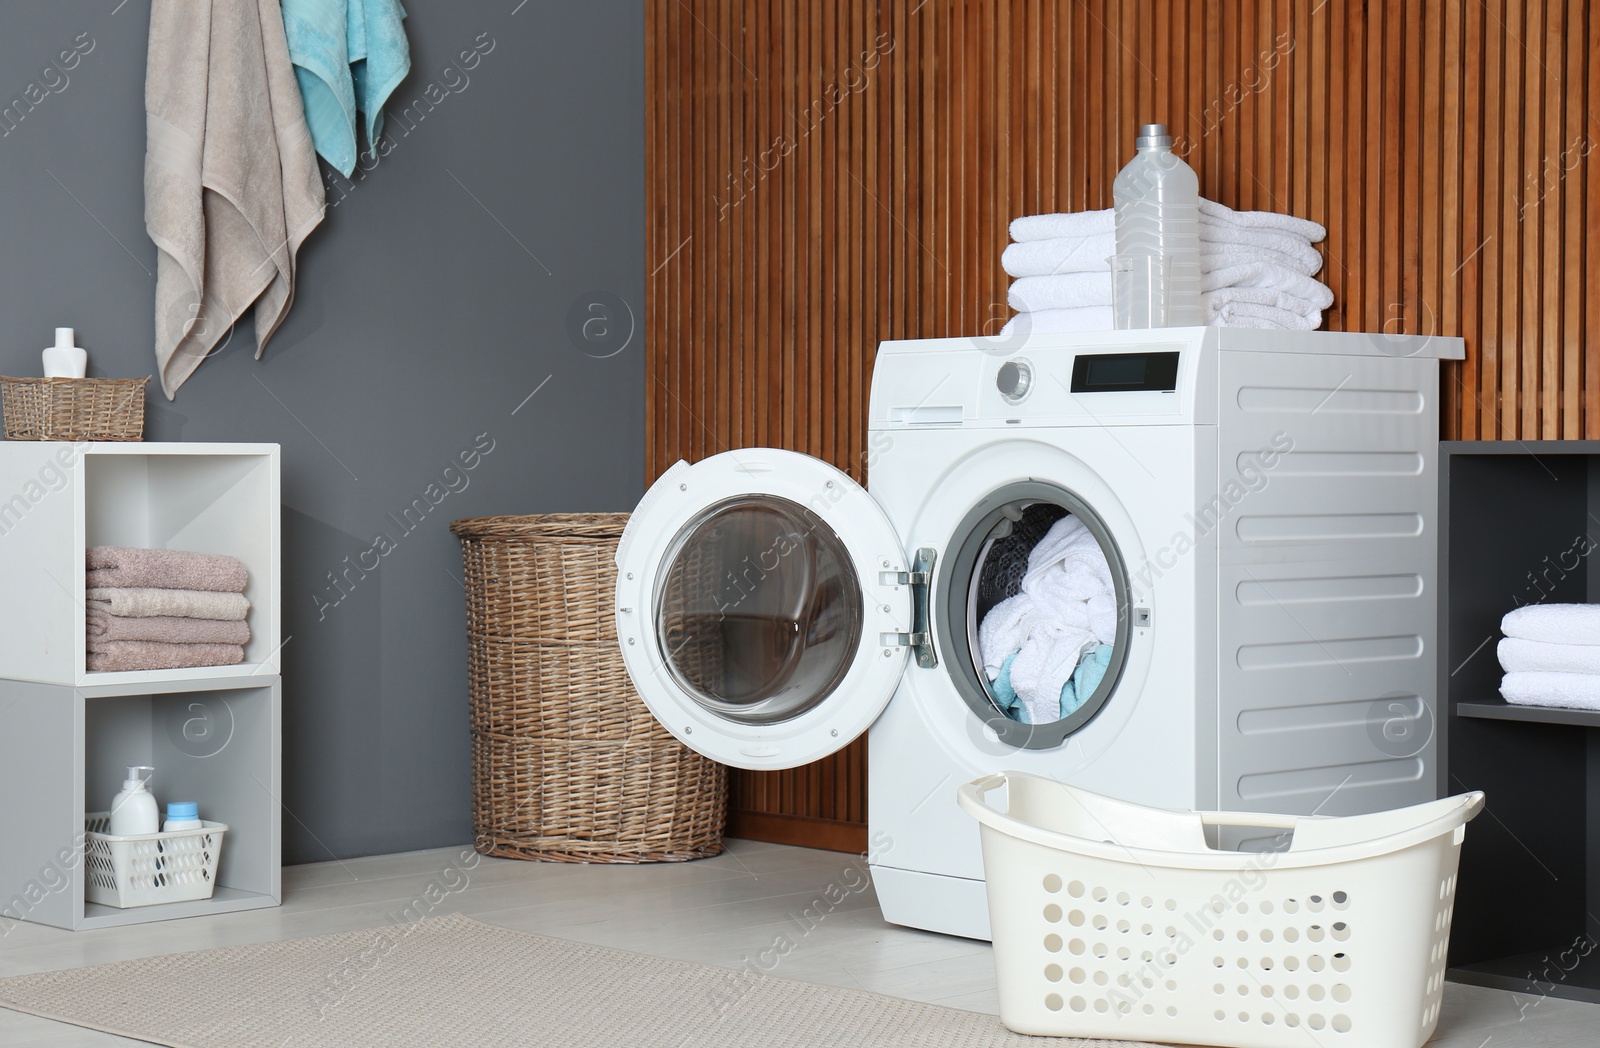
x: 431, y: 302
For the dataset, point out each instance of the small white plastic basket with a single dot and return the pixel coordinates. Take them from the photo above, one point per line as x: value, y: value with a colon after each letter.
x: 151, y: 868
x: 1115, y: 920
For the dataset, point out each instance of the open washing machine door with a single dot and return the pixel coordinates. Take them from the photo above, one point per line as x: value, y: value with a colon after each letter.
x: 764, y: 607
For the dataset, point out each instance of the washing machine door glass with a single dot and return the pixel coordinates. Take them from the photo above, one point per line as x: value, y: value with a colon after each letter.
x: 759, y: 613
x: 760, y: 607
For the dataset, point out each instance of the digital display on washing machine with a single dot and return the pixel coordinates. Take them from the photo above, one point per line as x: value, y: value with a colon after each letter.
x: 1125, y: 373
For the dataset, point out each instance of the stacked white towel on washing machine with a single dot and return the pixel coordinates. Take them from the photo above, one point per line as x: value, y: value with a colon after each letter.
x: 1551, y: 655
x: 1067, y: 608
x: 1257, y: 269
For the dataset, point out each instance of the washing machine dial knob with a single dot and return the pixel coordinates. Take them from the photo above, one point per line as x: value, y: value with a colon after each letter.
x: 1014, y: 380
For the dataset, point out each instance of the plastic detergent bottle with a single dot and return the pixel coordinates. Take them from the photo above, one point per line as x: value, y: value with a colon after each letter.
x: 65, y: 360
x: 1157, y: 199
x: 182, y: 815
x: 134, y: 811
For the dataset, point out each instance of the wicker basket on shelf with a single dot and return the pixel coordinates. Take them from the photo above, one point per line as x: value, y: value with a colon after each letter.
x: 73, y: 408
x: 568, y: 765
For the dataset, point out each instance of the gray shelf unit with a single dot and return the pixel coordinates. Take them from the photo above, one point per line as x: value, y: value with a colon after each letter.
x: 1518, y: 519
x: 216, y: 741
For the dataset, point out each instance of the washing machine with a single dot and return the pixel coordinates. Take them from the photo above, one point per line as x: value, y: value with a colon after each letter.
x: 1266, y: 503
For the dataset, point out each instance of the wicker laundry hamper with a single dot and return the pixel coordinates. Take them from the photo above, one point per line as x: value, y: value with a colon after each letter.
x: 568, y: 765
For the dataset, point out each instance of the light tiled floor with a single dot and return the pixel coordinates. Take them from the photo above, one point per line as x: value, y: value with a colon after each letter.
x: 760, y: 905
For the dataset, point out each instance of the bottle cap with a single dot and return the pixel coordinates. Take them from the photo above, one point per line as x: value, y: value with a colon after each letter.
x: 1152, y: 135
x: 183, y: 810
x: 64, y: 338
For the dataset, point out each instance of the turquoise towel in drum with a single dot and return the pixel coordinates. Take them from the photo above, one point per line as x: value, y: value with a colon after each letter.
x: 1085, y: 679
x: 349, y: 55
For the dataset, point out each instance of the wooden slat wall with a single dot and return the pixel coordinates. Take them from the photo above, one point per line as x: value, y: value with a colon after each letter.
x: 825, y: 174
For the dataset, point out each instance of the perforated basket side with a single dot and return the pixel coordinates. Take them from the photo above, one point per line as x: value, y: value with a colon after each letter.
x: 180, y: 866
x: 1250, y: 950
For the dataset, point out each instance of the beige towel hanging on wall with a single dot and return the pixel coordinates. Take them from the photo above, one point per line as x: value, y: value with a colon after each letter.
x: 230, y: 175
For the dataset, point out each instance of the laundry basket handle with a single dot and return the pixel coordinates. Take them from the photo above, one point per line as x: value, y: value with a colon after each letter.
x: 1249, y: 819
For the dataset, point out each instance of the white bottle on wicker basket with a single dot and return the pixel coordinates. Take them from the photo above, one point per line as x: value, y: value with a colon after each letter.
x: 65, y: 360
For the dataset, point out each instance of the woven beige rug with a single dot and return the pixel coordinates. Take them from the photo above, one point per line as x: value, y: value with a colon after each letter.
x: 454, y: 981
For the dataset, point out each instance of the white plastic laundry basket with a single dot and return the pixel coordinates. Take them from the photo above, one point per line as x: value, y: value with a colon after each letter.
x: 151, y: 868
x: 1115, y: 920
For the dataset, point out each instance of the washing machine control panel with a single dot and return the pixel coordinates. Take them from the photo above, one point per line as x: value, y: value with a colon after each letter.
x: 1125, y: 372
x: 1014, y: 379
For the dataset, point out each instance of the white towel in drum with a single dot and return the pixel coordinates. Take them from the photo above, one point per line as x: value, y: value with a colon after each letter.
x: 1569, y: 690
x: 1519, y: 656
x: 1066, y: 608
x: 1556, y: 623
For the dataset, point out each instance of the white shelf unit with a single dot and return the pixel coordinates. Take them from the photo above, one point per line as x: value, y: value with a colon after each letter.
x: 213, y: 734
x: 58, y: 499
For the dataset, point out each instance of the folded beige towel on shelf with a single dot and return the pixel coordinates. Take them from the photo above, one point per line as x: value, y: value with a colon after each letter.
x: 122, y: 567
x: 104, y: 627
x: 122, y: 655
x: 231, y: 185
x: 188, y: 604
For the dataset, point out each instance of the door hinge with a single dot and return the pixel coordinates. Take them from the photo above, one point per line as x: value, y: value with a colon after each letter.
x: 920, y: 579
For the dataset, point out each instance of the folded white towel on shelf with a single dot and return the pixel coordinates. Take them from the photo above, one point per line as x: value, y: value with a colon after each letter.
x: 1569, y: 690
x: 1556, y: 623
x: 1540, y: 656
x: 1063, y: 224
x: 1271, y: 220
x: 1263, y: 274
x: 1257, y: 270
x: 1305, y: 258
x: 1285, y: 322
x: 1250, y: 315
x: 1040, y: 258
x: 1256, y: 296
x: 1057, y: 321
x: 1060, y: 291
x: 1065, y: 608
x: 1215, y: 256
x: 1090, y: 223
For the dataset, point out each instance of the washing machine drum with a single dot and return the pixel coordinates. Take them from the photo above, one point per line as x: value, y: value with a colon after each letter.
x: 990, y: 555
x: 1006, y: 563
x: 759, y: 614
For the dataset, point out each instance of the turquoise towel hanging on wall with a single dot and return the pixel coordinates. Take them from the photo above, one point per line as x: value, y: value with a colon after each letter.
x: 348, y: 55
